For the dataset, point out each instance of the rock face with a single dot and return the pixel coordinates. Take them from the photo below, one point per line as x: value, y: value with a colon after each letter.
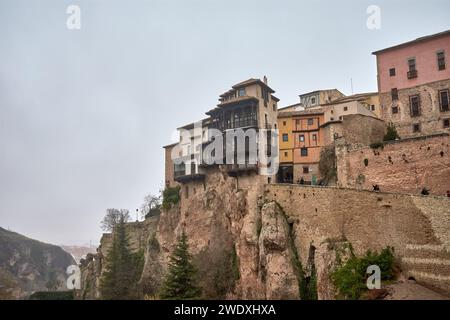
x: 277, y: 257
x: 241, y: 246
x: 253, y: 240
x: 27, y: 265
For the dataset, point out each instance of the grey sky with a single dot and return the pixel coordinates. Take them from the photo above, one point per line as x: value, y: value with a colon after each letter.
x: 84, y: 114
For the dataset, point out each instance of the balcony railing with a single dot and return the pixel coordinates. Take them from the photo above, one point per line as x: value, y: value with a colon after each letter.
x: 412, y: 74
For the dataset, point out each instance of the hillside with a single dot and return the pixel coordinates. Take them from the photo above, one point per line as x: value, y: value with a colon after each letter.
x: 28, y: 265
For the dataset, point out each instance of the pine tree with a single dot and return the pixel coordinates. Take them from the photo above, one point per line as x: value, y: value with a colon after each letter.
x: 180, y: 279
x: 122, y: 268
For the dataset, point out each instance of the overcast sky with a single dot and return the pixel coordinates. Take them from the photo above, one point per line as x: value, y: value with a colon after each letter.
x: 84, y: 113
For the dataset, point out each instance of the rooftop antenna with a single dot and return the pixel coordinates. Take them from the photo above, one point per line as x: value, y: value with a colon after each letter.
x: 351, y: 84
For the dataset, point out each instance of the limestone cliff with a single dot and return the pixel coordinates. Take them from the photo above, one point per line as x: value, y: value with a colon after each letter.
x: 253, y: 240
x: 28, y: 265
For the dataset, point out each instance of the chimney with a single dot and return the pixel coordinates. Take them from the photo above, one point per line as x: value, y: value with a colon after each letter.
x: 265, y: 79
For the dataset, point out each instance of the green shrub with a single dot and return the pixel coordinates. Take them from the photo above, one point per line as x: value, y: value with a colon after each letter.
x: 377, y: 145
x: 391, y: 133
x: 171, y: 196
x: 52, y: 295
x: 350, y: 278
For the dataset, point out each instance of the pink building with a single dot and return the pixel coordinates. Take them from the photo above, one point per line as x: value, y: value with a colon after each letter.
x: 413, y: 84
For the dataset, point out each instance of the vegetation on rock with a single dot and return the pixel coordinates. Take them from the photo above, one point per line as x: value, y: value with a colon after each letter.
x: 350, y: 277
x: 123, y: 268
x: 151, y: 206
x: 181, y: 277
x: 113, y: 217
x: 171, y: 196
x: 52, y: 295
x: 377, y: 145
x: 391, y: 133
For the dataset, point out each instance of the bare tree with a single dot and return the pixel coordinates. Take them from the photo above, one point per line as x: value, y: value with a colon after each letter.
x: 151, y: 205
x: 113, y: 216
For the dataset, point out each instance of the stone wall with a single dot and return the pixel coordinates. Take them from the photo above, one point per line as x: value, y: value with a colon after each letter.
x: 354, y: 128
x: 416, y: 226
x: 431, y: 117
x: 405, y: 166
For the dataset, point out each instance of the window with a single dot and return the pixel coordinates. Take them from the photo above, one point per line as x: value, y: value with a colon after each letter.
x: 314, y: 137
x: 331, y: 119
x: 332, y: 111
x: 274, y: 107
x: 310, y: 122
x: 416, y: 127
x: 285, y: 154
x: 285, y: 137
x: 412, y: 64
x: 392, y: 72
x: 412, y: 73
x: 301, y: 138
x: 345, y: 108
x: 394, y: 94
x: 241, y: 92
x: 372, y: 107
x: 414, y: 105
x: 394, y: 110
x: 441, y: 60
x: 446, y: 123
x: 443, y: 100
x: 313, y: 100
x: 284, y: 123
x: 304, y: 152
x: 340, y: 118
x: 305, y: 169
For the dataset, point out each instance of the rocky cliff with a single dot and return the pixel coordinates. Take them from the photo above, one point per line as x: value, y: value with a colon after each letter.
x: 251, y: 240
x: 27, y: 265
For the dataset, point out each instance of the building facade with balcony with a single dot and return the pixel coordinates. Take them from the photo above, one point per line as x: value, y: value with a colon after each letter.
x: 413, y: 85
x: 247, y: 105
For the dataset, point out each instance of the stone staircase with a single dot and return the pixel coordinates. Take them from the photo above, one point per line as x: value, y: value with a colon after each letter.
x: 428, y: 264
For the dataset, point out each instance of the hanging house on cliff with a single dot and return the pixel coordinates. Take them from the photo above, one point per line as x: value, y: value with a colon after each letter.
x: 248, y: 105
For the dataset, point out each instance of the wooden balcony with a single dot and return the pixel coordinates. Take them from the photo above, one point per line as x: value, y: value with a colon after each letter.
x: 234, y: 170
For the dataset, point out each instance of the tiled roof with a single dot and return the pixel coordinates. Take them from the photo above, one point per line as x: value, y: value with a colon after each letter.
x: 309, y: 111
x: 354, y: 97
x: 252, y: 81
x: 421, y: 39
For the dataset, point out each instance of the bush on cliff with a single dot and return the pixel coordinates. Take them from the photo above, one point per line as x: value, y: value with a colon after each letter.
x: 171, y: 195
x: 123, y: 268
x: 391, y: 133
x: 350, y: 278
x: 180, y: 280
